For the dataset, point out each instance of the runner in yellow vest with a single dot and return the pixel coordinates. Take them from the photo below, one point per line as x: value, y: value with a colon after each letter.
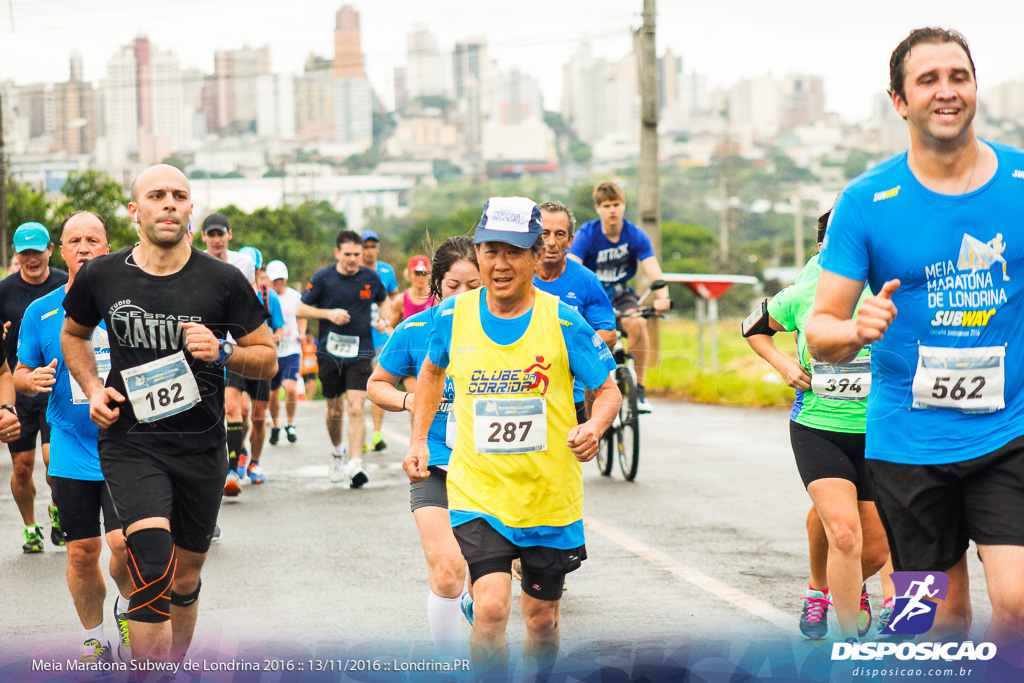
x: 515, y: 487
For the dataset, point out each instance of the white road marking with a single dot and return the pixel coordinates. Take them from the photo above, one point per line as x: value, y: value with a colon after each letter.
x: 759, y: 608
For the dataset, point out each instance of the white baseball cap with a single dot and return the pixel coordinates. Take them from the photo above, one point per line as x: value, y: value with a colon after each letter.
x: 277, y: 270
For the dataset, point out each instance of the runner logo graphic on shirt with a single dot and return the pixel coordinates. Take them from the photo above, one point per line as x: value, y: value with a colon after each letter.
x: 975, y: 255
x: 963, y: 294
x: 913, y: 611
x: 510, y: 381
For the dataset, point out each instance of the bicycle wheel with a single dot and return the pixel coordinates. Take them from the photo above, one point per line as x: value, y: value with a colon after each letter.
x: 628, y: 437
x: 606, y: 452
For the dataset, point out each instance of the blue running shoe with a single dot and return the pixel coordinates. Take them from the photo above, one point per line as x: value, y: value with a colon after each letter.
x: 467, y: 607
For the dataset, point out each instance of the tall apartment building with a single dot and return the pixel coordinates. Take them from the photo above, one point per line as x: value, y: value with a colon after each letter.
x: 314, y: 100
x: 121, y: 100
x: 425, y: 67
x: 236, y: 73
x: 348, y: 50
x: 74, y: 117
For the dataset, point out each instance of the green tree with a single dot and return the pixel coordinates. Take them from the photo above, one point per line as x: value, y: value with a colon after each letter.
x: 384, y: 125
x: 856, y: 163
x: 23, y: 205
x: 302, y: 236
x: 92, y: 191
x: 580, y: 152
x: 175, y: 161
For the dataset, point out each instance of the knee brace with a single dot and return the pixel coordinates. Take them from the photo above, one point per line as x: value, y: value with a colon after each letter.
x: 151, y: 562
x: 179, y: 600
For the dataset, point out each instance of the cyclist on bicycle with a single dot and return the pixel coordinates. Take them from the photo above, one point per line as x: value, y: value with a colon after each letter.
x: 573, y: 284
x: 611, y: 247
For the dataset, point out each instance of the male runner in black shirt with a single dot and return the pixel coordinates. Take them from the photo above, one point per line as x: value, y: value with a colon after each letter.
x: 342, y: 296
x: 32, y: 248
x: 168, y: 310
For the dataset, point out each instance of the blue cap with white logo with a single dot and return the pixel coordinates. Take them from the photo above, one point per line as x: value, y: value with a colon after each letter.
x: 513, y: 220
x: 31, y: 235
x: 255, y: 254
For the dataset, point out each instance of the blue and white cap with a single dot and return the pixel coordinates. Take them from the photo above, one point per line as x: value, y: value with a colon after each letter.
x: 513, y: 220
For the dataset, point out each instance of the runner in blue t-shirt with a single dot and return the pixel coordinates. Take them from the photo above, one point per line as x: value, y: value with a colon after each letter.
x: 934, y: 232
x: 454, y: 271
x: 78, y: 485
x: 573, y: 284
x: 612, y: 247
x: 386, y: 273
x: 256, y: 392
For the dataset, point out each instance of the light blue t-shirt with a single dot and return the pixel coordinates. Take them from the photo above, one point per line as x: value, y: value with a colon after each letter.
x: 579, y: 289
x: 613, y: 262
x: 403, y: 356
x: 387, y: 275
x: 276, y: 321
x: 73, y: 451
x: 590, y: 361
x: 957, y: 259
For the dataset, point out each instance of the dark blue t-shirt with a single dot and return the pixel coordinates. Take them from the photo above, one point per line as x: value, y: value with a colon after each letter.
x: 356, y: 294
x: 612, y: 262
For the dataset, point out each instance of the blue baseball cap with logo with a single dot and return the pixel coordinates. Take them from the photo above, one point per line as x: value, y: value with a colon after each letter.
x: 255, y: 254
x: 513, y: 220
x: 32, y: 236
x: 369, y: 235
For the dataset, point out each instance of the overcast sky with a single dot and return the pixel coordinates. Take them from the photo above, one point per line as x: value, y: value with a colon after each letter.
x: 847, y: 43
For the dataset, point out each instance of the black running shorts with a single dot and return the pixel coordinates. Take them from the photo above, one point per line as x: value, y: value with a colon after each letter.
x: 625, y: 301
x: 544, y: 569
x: 258, y: 389
x: 931, y: 511
x: 336, y: 378
x: 822, y: 454
x: 186, y: 489
x: 79, y: 503
x: 32, y: 416
x: 432, y: 492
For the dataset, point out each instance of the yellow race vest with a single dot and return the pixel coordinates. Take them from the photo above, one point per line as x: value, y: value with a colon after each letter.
x: 505, y: 398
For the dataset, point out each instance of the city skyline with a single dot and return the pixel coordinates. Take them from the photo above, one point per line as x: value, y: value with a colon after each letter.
x: 747, y: 40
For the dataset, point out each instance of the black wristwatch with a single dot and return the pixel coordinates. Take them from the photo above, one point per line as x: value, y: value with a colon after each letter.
x: 9, y: 407
x: 226, y: 349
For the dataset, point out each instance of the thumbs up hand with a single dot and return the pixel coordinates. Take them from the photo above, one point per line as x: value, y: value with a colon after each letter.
x: 876, y: 313
x: 44, y: 378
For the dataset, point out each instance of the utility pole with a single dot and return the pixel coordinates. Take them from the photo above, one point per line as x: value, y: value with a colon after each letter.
x: 3, y: 185
x: 798, y: 230
x: 648, y: 200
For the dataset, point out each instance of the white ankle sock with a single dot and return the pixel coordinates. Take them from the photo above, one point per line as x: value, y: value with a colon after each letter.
x: 121, y: 604
x: 445, y: 618
x: 339, y: 449
x: 96, y: 633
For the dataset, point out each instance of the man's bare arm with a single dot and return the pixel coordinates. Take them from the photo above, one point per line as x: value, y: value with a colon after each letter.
x: 833, y: 334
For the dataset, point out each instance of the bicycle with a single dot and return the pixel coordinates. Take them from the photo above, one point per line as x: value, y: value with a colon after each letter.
x: 622, y: 438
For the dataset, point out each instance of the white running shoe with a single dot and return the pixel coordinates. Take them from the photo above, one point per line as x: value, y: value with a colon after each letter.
x: 356, y: 474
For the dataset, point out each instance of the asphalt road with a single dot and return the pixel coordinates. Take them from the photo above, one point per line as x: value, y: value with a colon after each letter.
x: 702, y: 558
